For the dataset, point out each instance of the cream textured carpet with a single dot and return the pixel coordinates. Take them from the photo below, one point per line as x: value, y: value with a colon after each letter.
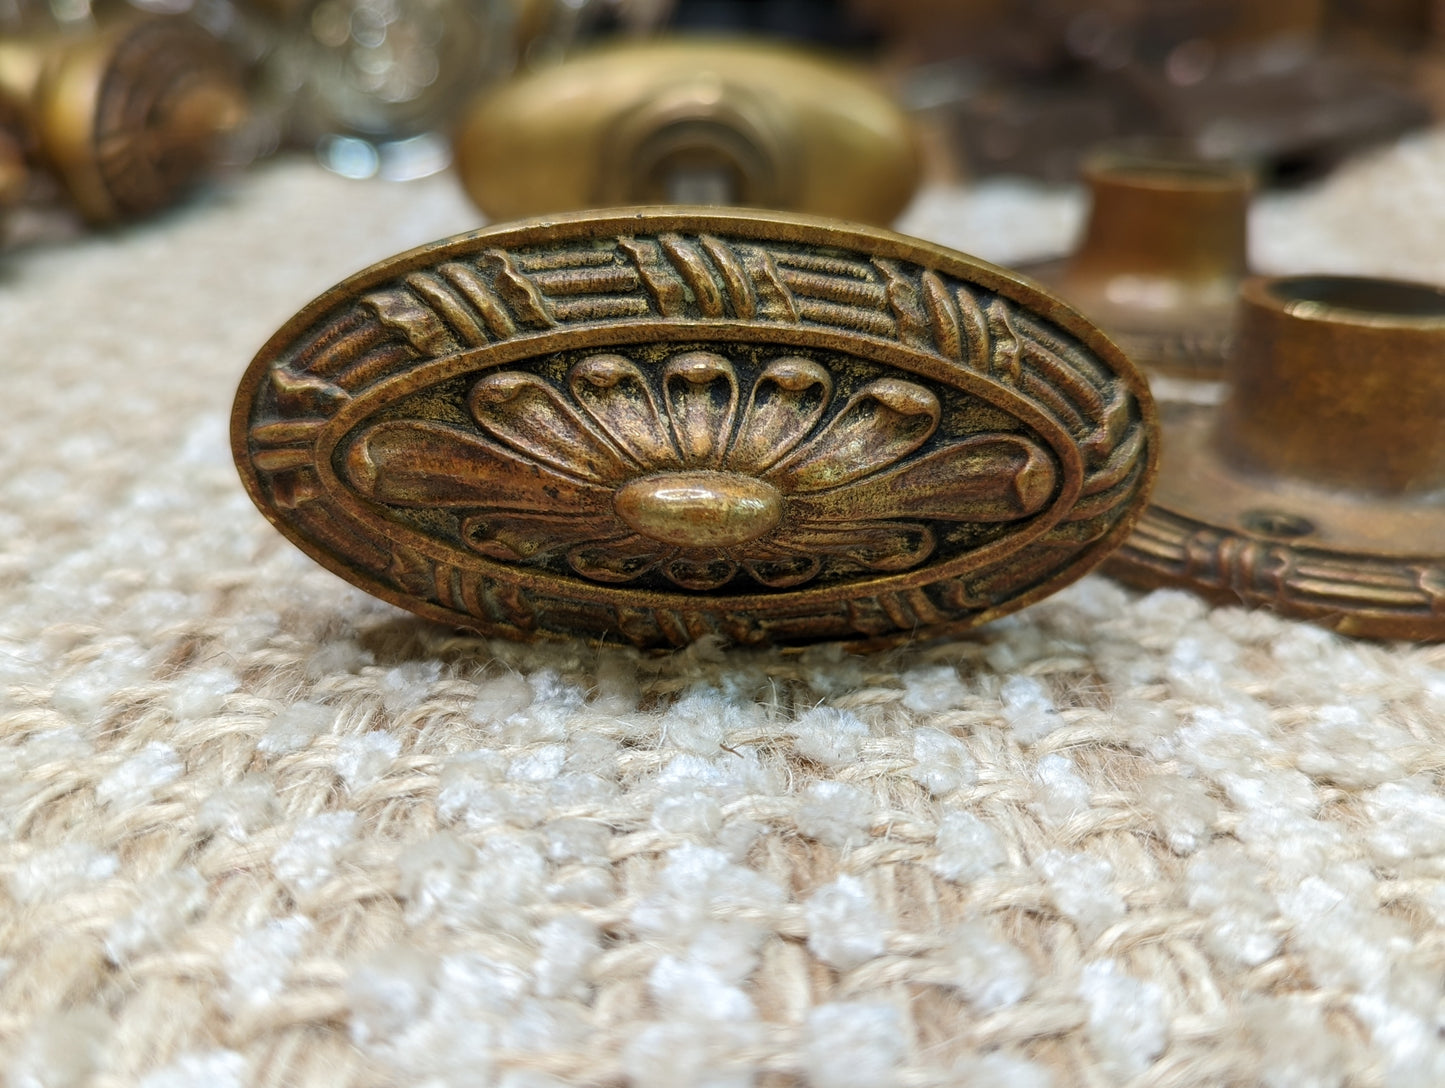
x: 259, y: 829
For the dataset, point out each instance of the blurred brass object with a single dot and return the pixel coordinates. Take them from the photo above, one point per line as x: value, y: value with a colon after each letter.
x: 532, y: 19
x: 663, y: 424
x: 1030, y: 86
x: 392, y: 69
x: 684, y: 121
x: 127, y: 116
x: 14, y: 173
x: 1318, y: 488
x: 1036, y: 31
x: 1163, y: 255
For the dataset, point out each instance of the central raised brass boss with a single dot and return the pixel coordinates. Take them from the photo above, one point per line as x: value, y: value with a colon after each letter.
x: 657, y: 425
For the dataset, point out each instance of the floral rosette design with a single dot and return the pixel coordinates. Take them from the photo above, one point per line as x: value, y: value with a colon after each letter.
x: 696, y: 481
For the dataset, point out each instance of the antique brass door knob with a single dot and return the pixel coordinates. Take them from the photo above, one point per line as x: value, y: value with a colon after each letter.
x: 692, y: 122
x: 661, y: 424
x: 128, y: 116
x: 1162, y: 258
x: 1318, y: 488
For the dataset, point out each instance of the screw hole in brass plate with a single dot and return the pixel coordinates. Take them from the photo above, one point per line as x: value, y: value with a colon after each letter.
x: 1277, y: 524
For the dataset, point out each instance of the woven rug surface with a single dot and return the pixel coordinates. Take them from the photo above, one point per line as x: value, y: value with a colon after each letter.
x: 257, y: 828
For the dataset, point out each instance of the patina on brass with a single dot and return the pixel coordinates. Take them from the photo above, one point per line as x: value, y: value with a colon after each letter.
x: 689, y: 121
x: 1162, y: 258
x: 657, y: 425
x: 14, y: 172
x: 127, y: 116
x: 1318, y: 488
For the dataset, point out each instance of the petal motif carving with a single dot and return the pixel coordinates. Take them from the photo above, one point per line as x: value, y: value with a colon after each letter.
x: 614, y: 392
x: 701, y: 390
x: 879, y: 545
x: 884, y: 421
x: 850, y: 490
x: 617, y: 560
x: 778, y: 569
x: 981, y: 479
x: 786, y: 403
x: 513, y: 537
x: 701, y: 574
x: 414, y: 464
x: 529, y: 414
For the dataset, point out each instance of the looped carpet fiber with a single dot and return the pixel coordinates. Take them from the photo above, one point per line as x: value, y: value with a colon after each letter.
x: 259, y: 829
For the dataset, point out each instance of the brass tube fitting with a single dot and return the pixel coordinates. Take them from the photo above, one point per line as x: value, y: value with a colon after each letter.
x: 1163, y: 254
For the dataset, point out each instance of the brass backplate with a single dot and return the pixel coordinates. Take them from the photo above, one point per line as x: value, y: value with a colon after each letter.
x: 1317, y: 488
x: 655, y: 425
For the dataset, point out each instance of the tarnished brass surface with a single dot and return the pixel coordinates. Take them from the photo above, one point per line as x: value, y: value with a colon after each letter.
x: 14, y: 173
x: 1318, y: 488
x: 655, y: 425
x: 127, y: 117
x: 1162, y: 258
x: 689, y: 121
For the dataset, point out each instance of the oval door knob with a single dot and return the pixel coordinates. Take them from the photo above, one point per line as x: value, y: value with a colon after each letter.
x: 695, y: 122
x: 660, y: 425
x: 129, y: 116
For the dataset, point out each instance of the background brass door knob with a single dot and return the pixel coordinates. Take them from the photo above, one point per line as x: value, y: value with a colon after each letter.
x: 659, y: 425
x: 1318, y: 488
x: 127, y: 116
x: 681, y: 121
x: 1163, y: 255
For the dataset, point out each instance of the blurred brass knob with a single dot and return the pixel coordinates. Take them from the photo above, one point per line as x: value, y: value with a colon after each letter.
x: 128, y: 116
x: 660, y: 425
x: 696, y: 122
x: 14, y: 173
x: 1318, y: 487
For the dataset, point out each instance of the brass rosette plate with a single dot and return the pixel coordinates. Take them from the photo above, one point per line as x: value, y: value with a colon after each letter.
x: 656, y: 425
x: 1317, y: 489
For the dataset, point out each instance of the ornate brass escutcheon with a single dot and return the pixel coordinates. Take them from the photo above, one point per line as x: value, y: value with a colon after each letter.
x: 1318, y: 488
x: 127, y: 116
x: 689, y: 122
x: 661, y: 424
